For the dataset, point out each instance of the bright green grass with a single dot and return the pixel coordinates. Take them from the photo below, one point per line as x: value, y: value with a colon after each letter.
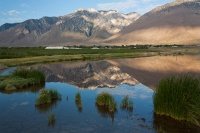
x: 9, y: 53
x: 28, y: 56
x: 179, y: 98
x: 21, y: 79
x: 106, y: 100
x: 47, y: 97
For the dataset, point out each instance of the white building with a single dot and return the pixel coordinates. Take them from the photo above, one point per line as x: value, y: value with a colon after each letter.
x: 57, y: 47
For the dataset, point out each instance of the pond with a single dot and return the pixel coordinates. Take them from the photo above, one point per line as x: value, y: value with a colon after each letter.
x: 19, y: 114
x: 7, y: 71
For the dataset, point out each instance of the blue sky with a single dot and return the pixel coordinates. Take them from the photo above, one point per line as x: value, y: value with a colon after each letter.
x: 12, y: 11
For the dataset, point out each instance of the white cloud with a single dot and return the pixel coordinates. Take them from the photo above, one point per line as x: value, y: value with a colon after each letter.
x: 119, y: 6
x: 24, y: 5
x: 13, y: 12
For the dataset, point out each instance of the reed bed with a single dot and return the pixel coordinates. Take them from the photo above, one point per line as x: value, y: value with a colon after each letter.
x: 179, y: 98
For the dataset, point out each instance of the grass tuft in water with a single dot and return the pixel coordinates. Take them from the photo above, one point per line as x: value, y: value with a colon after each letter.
x: 179, y: 98
x: 78, y: 96
x: 127, y: 104
x: 106, y: 100
x: 21, y: 78
x: 78, y: 101
x: 51, y: 119
x: 47, y: 97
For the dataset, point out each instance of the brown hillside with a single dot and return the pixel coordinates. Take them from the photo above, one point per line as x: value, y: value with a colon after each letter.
x: 174, y: 23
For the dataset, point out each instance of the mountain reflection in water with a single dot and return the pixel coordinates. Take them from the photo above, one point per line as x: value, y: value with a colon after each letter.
x: 86, y: 75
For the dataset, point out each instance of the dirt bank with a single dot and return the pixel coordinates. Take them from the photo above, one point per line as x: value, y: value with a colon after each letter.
x: 150, y: 70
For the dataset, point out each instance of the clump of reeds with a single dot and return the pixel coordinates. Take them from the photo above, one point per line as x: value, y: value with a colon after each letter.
x: 179, y: 98
x: 78, y: 101
x: 51, y: 119
x: 47, y: 96
x: 127, y: 104
x: 21, y: 78
x: 106, y: 100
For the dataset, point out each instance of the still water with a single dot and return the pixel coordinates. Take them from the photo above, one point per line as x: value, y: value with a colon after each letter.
x: 18, y: 113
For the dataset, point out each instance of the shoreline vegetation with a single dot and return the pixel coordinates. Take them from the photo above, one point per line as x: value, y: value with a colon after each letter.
x: 179, y: 98
x: 19, y: 56
x: 21, y: 79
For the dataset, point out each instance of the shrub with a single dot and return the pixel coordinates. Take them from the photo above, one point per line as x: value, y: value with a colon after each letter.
x: 179, y: 98
x: 106, y: 100
x: 47, y: 96
x: 127, y: 104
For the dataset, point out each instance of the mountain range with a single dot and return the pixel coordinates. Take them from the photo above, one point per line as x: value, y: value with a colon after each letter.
x: 177, y: 22
x: 84, y: 26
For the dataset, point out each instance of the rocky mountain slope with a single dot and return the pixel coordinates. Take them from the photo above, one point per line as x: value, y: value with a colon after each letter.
x: 80, y: 27
x: 7, y: 26
x: 174, y: 23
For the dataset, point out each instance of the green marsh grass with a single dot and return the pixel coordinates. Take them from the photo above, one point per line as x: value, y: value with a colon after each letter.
x: 21, y: 79
x: 28, y: 56
x: 127, y: 104
x: 78, y: 101
x: 18, y: 56
x: 179, y: 98
x: 105, y: 100
x: 38, y: 76
x: 78, y: 96
x: 47, y: 97
x: 51, y: 119
x: 23, y: 52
